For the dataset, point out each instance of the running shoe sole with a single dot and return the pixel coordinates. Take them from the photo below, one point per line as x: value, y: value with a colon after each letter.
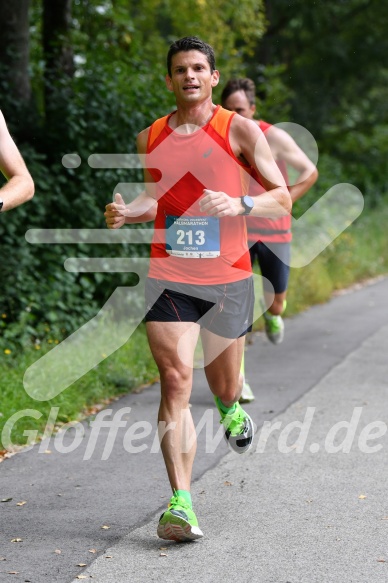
x: 179, y: 530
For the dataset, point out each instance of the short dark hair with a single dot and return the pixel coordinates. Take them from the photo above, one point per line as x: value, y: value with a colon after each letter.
x: 191, y: 43
x: 233, y: 85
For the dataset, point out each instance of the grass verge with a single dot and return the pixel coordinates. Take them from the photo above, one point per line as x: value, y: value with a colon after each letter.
x: 126, y: 369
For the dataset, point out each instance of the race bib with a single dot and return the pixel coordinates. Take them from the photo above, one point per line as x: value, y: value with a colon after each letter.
x: 193, y: 237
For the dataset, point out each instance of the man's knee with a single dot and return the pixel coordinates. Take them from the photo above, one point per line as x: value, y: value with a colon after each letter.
x: 175, y: 382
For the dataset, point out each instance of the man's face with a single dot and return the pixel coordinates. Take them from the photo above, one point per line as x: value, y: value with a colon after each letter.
x: 191, y: 79
x: 239, y: 103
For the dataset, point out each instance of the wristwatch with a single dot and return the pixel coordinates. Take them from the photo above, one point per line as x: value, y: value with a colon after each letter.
x: 1, y: 204
x: 247, y: 203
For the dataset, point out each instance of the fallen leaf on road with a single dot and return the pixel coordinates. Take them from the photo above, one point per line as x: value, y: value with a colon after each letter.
x: 57, y: 551
x: 92, y: 551
x: 82, y: 577
x: 6, y: 500
x: 3, y: 559
x: 109, y: 557
x: 48, y: 451
x: 385, y: 518
x: 105, y: 527
x: 22, y: 503
x: 163, y: 555
x: 16, y: 540
x: 381, y: 561
x: 163, y: 548
x: 82, y: 565
x: 228, y: 483
x: 13, y: 572
x: 5, y: 454
x: 362, y: 497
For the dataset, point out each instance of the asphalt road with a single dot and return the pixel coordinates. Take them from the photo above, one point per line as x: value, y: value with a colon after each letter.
x: 296, y: 509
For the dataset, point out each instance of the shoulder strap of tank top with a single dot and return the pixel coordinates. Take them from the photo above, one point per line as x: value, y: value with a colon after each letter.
x: 155, y: 130
x: 264, y: 125
x: 221, y: 121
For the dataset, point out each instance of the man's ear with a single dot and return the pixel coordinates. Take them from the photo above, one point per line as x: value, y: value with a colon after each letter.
x: 215, y: 78
x: 253, y: 108
x: 169, y: 82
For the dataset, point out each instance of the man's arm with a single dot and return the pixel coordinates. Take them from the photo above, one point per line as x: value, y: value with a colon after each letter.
x: 20, y: 186
x: 143, y: 208
x: 285, y: 148
x: 250, y: 145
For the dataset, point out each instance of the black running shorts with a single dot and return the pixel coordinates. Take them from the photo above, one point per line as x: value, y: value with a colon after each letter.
x: 225, y: 310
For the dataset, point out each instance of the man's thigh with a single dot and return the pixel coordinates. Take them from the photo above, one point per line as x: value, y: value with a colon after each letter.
x: 173, y: 345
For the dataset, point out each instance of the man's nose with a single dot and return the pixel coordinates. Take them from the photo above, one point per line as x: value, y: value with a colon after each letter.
x: 190, y: 73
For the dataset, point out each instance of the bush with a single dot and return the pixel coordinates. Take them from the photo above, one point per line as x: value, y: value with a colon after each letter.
x: 101, y: 117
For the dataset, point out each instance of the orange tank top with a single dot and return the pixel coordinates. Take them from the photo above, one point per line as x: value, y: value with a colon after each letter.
x: 187, y: 245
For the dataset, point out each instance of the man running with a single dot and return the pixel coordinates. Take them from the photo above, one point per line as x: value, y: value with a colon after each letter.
x: 19, y: 186
x: 197, y: 160
x: 270, y: 240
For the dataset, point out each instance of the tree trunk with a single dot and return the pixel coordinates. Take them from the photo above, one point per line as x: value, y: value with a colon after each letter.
x: 14, y: 50
x: 59, y: 67
x: 57, y: 48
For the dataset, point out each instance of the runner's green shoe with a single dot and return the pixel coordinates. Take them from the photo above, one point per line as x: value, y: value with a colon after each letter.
x: 274, y: 325
x: 239, y: 430
x: 246, y: 395
x: 179, y: 522
x: 274, y: 328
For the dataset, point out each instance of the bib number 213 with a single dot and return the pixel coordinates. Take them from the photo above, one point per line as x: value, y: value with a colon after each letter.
x: 193, y: 237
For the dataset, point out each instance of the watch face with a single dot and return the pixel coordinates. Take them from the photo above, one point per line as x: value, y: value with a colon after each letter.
x: 247, y: 204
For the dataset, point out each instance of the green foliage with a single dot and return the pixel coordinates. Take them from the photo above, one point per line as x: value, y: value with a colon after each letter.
x: 274, y: 98
x: 334, y: 73
x: 36, y: 288
x: 308, y: 286
x: 129, y: 367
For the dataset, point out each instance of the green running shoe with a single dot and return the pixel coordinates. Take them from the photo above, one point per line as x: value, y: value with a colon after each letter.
x: 274, y: 328
x: 239, y: 430
x: 179, y: 522
x: 247, y: 395
x: 274, y: 325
